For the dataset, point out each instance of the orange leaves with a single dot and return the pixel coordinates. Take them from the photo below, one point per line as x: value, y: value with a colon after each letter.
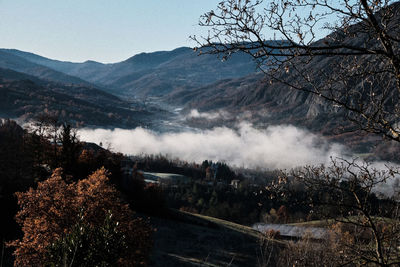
x: 50, y: 211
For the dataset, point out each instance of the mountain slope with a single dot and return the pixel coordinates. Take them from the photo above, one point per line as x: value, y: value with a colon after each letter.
x: 257, y: 91
x: 14, y: 62
x: 86, y: 70
x: 25, y: 97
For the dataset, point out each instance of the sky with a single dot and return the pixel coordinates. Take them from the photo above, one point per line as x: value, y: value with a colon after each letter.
x: 101, y: 30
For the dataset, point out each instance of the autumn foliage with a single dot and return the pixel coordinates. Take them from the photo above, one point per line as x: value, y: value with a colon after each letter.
x: 49, y: 213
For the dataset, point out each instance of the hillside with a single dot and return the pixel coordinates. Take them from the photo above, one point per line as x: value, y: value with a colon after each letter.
x: 188, y: 239
x: 25, y: 97
x: 12, y: 61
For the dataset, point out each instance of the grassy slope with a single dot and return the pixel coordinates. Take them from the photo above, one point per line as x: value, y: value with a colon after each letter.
x: 194, y: 240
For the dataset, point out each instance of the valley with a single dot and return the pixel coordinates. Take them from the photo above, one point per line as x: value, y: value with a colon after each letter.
x: 252, y: 149
x: 176, y: 98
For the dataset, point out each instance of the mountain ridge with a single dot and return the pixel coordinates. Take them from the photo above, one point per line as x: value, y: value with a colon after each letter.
x: 146, y: 74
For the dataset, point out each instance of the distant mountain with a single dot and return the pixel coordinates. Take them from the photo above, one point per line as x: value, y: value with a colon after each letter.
x: 147, y: 74
x: 10, y: 60
x: 161, y: 73
x: 25, y: 97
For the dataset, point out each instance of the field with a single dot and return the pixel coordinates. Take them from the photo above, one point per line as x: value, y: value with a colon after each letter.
x: 187, y: 239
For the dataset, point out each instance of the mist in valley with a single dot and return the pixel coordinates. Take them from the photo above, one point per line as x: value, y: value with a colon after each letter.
x: 276, y: 147
x: 243, y: 145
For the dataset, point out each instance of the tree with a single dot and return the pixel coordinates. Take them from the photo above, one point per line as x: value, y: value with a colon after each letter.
x: 49, y: 216
x: 358, y: 61
x: 356, y: 70
x: 70, y: 149
x: 47, y: 126
x: 354, y: 199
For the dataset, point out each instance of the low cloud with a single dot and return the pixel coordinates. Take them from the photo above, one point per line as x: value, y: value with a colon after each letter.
x: 279, y: 147
x: 195, y: 114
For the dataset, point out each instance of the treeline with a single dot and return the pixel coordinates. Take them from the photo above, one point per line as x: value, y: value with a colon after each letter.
x: 254, y: 196
x: 246, y: 204
x: 211, y: 192
x: 218, y: 171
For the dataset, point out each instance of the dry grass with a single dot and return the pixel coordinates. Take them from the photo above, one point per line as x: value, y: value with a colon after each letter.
x: 187, y: 239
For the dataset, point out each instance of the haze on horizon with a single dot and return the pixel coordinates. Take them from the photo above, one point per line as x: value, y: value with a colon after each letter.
x: 100, y: 30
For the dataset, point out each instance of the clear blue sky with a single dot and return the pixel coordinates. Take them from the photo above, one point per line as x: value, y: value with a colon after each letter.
x: 101, y: 30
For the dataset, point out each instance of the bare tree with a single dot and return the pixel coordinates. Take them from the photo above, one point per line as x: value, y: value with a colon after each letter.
x: 362, y: 210
x: 356, y: 67
x: 365, y: 215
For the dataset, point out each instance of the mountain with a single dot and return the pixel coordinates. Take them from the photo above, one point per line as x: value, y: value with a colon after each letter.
x: 163, y: 72
x: 182, y: 77
x: 276, y: 103
x: 146, y: 74
x: 266, y: 104
x: 9, y: 60
x: 257, y: 91
x: 140, y: 76
x: 25, y: 97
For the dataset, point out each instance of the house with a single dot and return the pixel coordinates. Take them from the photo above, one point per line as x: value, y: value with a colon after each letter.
x: 235, y: 183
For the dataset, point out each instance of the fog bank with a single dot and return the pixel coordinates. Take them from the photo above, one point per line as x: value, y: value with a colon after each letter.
x: 279, y: 147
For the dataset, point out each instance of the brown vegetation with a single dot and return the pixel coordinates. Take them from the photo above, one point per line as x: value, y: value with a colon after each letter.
x: 49, y: 212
